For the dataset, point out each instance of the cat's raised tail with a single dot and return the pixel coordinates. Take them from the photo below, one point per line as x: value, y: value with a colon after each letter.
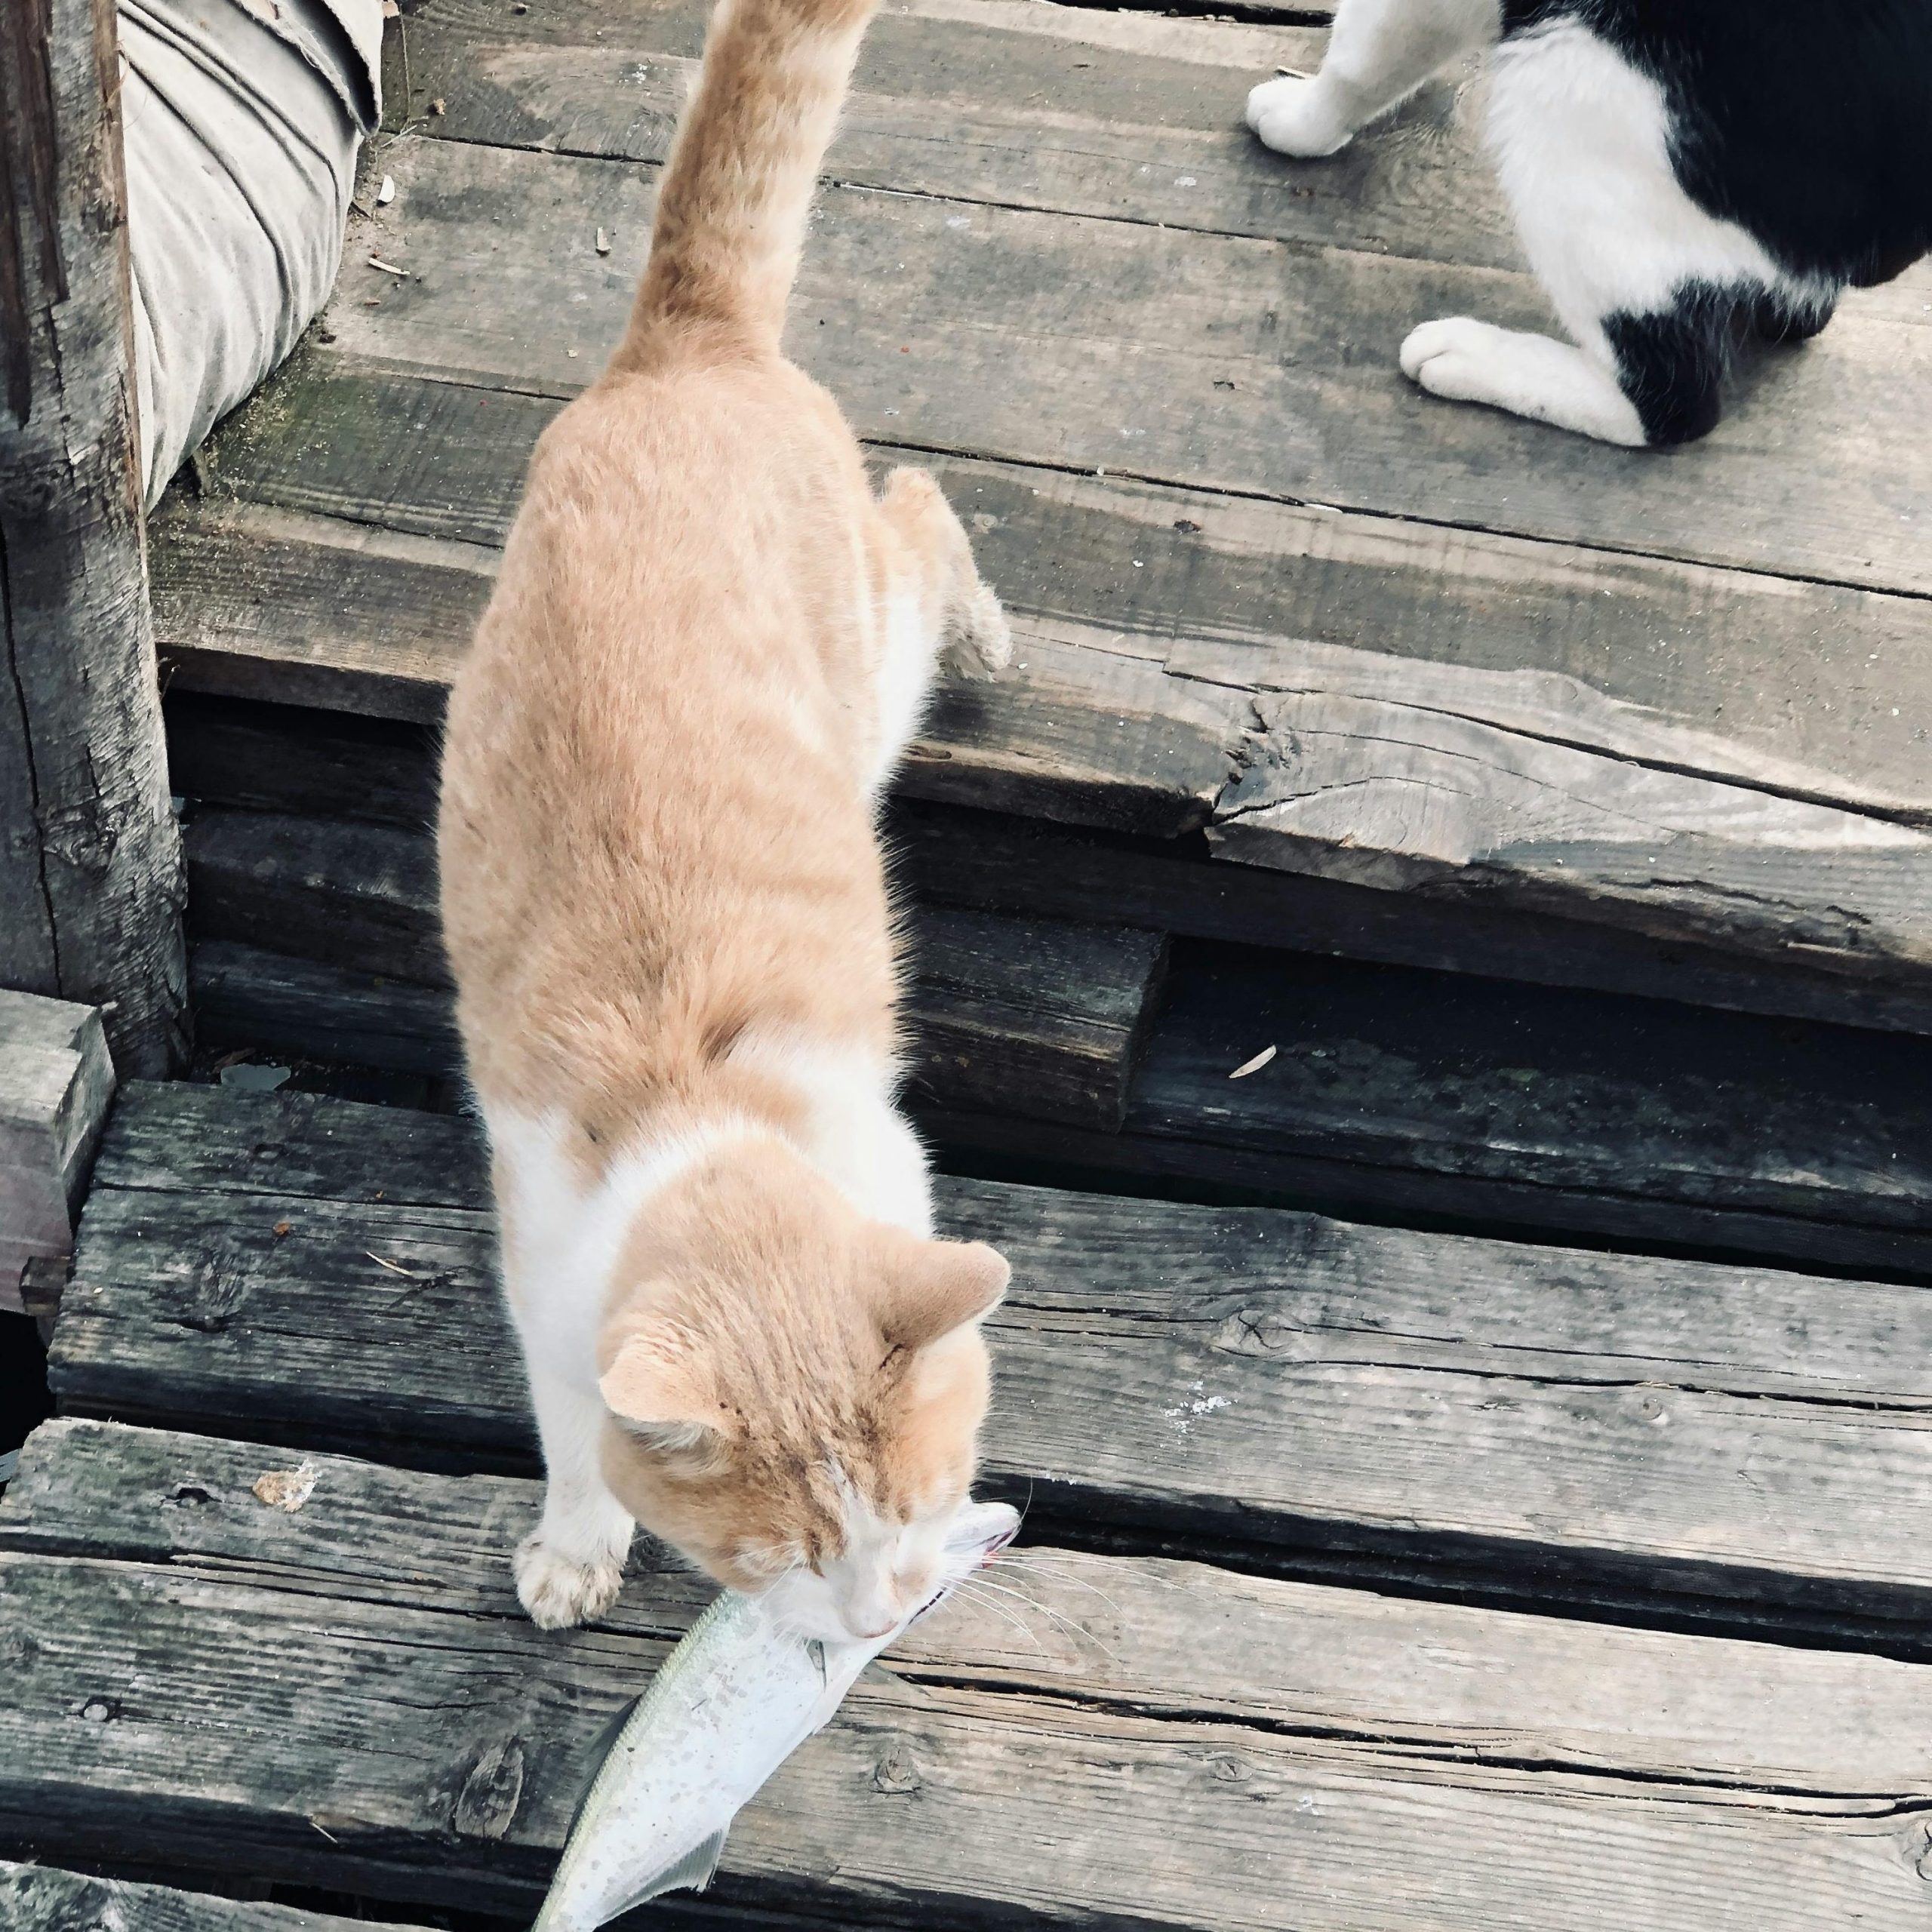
x: 738, y: 189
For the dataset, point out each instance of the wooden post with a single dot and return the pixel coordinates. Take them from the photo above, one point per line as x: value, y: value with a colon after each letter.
x: 90, y: 884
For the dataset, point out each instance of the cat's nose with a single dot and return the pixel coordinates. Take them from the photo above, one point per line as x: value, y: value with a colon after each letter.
x: 866, y: 1632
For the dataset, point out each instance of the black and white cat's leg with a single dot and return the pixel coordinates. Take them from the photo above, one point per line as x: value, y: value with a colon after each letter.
x: 1649, y: 285
x: 1785, y: 319
x: 1378, y: 53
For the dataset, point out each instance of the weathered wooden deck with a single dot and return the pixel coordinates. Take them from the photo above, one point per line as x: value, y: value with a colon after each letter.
x: 1479, y: 1466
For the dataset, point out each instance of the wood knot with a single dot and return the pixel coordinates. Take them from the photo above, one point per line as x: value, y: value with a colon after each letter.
x: 1229, y: 1769
x: 486, y: 1806
x: 895, y: 1775
x: 101, y: 1710
x: 1260, y: 1331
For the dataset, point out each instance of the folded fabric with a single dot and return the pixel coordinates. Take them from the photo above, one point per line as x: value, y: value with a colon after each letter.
x: 243, y: 119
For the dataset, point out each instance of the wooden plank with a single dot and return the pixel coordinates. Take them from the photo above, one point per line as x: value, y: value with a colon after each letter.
x: 1009, y: 356
x: 1392, y: 1092
x: 1030, y: 1016
x: 245, y: 998
x: 1643, y: 1098
x: 1025, y: 1810
x: 1398, y: 793
x: 1473, y: 1103
x: 1792, y: 688
x: 1042, y: 1017
x: 327, y: 889
x: 163, y: 1138
x: 1253, y: 593
x: 1024, y: 866
x: 38, y: 1898
x: 1153, y: 1636
x: 55, y: 1084
x: 283, y: 758
x: 1082, y: 110
x: 1561, y: 784
x: 1623, y: 1151
x: 252, y: 603
x: 90, y: 867
x: 1104, y: 113
x: 1042, y: 1020
x: 1752, y: 1446
x: 1171, y: 1165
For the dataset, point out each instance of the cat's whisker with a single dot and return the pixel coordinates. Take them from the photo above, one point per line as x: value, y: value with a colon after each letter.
x: 999, y: 1610
x: 1026, y: 1560
x: 1077, y: 1631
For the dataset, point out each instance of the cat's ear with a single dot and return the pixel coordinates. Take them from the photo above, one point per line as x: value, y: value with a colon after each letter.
x: 934, y: 1287
x: 653, y: 1384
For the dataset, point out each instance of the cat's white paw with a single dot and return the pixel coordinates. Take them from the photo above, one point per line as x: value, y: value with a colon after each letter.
x: 1529, y: 375
x: 558, y: 1590
x: 1297, y: 117
x: 982, y: 645
x: 1456, y: 357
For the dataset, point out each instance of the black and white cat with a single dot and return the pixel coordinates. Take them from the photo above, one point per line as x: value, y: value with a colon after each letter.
x: 1681, y: 172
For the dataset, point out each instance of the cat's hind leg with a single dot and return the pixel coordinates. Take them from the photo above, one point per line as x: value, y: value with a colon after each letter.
x: 938, y: 609
x: 1378, y: 53
x: 1651, y: 288
x: 1784, y: 320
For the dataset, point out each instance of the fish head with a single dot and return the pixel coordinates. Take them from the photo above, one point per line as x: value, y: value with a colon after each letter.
x: 977, y: 1534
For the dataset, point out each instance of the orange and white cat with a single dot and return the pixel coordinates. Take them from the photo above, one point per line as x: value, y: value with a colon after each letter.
x: 667, y: 913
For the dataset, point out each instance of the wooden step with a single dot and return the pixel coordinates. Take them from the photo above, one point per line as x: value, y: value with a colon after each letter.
x: 1158, y: 1744
x: 1389, y: 1095
x: 1037, y: 1017
x: 1415, y: 1095
x: 304, y: 762
x: 247, y: 1000
x: 1752, y: 1448
x: 1603, y: 828
x: 1263, y: 588
x: 1043, y: 337
x: 38, y: 1898
x: 1136, y: 105
x: 1464, y: 1100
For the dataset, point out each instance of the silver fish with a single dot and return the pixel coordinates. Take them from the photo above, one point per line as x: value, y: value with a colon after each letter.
x: 735, y: 1699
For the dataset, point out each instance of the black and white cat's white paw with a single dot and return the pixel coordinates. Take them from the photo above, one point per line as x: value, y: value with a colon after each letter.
x: 1529, y: 375
x: 978, y: 643
x: 1299, y: 117
x: 559, y: 1587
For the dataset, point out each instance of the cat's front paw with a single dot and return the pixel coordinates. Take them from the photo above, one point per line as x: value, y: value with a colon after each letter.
x: 1297, y: 117
x: 558, y: 1590
x: 1457, y: 357
x: 981, y: 645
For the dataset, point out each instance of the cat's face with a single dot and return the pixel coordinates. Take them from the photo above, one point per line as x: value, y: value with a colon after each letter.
x: 795, y: 1397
